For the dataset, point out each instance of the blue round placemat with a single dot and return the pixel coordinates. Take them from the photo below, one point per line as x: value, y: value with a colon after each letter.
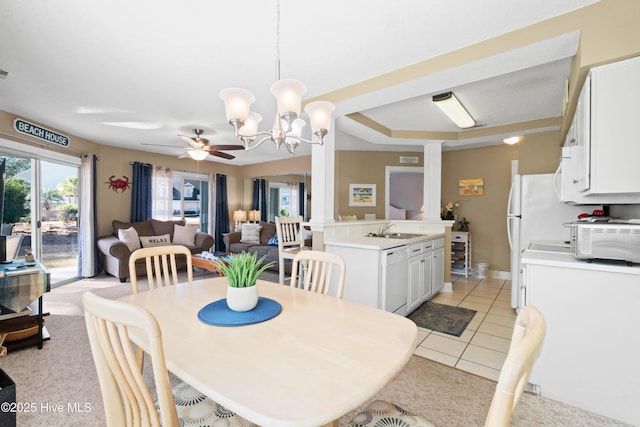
x: 218, y: 313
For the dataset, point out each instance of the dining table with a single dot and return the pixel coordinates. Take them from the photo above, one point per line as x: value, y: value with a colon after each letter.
x: 318, y: 358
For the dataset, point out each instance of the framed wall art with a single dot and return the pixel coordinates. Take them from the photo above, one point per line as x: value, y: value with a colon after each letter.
x: 362, y: 194
x: 471, y: 187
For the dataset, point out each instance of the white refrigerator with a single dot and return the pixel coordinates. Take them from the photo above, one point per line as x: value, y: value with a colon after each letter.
x: 535, y: 213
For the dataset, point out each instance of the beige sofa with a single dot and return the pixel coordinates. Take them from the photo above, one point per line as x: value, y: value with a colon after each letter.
x: 115, y: 253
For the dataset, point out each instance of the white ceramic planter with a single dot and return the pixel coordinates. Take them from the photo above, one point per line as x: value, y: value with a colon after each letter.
x: 242, y: 299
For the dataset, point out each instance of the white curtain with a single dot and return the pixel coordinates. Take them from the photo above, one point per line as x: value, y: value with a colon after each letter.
x: 162, y: 196
x: 87, y: 266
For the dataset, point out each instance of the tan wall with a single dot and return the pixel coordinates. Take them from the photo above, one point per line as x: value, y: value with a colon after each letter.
x: 365, y: 167
x: 486, y: 214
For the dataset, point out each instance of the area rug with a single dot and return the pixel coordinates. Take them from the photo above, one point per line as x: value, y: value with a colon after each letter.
x: 447, y: 319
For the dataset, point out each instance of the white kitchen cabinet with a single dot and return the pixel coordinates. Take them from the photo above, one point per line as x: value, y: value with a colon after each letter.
x: 437, y: 266
x: 590, y: 355
x: 420, y: 262
x: 600, y: 164
x: 370, y: 280
x: 461, y: 252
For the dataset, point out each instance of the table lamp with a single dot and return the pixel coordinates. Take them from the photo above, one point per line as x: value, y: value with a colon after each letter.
x: 239, y: 217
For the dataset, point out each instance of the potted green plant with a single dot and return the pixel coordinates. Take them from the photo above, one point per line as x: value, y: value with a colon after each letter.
x: 242, y: 271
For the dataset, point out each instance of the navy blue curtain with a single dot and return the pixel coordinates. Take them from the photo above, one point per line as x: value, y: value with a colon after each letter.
x: 301, y: 197
x: 141, y: 192
x: 222, y: 213
x: 264, y: 215
x: 255, y: 199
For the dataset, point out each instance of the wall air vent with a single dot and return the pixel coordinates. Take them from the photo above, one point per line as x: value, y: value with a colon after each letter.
x: 405, y: 159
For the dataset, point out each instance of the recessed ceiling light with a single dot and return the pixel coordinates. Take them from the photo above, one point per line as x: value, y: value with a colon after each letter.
x: 135, y: 125
x: 511, y: 140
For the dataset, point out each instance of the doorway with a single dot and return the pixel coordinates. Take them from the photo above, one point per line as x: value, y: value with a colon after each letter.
x: 405, y: 192
x: 41, y: 205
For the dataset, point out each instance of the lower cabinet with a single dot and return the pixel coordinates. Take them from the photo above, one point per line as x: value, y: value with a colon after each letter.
x: 437, y: 270
x: 419, y: 275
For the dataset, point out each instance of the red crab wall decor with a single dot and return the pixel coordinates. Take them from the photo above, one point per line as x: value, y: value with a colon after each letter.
x: 118, y: 184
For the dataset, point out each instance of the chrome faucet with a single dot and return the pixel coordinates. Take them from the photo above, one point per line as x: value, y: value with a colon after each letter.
x: 385, y: 228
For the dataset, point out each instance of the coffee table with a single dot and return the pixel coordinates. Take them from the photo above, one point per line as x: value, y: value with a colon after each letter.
x: 199, y: 261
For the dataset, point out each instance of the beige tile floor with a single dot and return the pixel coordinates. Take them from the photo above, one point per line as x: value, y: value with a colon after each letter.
x: 483, y: 346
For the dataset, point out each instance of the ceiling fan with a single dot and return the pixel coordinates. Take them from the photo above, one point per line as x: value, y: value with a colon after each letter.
x: 199, y: 147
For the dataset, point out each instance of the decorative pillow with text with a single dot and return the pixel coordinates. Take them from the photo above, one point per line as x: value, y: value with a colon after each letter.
x: 149, y: 241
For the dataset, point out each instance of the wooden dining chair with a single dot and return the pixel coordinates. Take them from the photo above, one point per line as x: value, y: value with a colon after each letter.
x: 290, y: 240
x: 316, y: 268
x: 160, y: 262
x: 127, y: 398
x: 343, y: 218
x: 526, y: 345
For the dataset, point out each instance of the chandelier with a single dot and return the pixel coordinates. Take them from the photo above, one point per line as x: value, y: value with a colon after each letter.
x: 287, y: 126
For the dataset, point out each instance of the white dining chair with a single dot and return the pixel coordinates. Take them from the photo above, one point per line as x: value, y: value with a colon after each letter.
x: 526, y: 345
x: 316, y: 268
x: 290, y: 240
x: 160, y: 264
x: 126, y: 397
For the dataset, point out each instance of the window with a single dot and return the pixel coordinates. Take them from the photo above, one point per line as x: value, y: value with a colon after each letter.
x: 191, y: 199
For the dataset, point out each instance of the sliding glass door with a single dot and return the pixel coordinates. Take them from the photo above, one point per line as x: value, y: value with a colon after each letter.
x: 41, y: 208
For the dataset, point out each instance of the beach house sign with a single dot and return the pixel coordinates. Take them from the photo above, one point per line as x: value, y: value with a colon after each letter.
x: 39, y: 132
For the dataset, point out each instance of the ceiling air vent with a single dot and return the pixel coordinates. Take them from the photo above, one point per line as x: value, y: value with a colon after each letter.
x: 3, y: 74
x: 404, y: 159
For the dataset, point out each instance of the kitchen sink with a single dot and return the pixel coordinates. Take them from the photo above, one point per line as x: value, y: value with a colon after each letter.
x: 394, y: 235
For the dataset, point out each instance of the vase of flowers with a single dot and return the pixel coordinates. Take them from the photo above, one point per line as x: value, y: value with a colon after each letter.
x: 446, y: 211
x: 242, y: 271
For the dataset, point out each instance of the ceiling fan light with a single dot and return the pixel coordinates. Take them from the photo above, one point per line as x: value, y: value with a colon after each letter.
x: 320, y: 115
x: 450, y: 105
x: 288, y: 93
x: 250, y: 127
x: 198, y: 154
x: 237, y: 102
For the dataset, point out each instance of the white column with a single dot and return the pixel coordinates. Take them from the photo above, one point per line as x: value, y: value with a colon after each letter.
x: 323, y: 181
x: 432, y: 180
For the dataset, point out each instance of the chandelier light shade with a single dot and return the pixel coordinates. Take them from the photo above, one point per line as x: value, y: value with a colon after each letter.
x: 196, y: 154
x: 288, y: 94
x: 320, y: 113
x: 450, y: 105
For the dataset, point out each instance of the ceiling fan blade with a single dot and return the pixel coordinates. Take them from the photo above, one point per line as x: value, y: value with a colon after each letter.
x: 162, y: 145
x: 221, y: 154
x: 189, y: 141
x: 227, y: 147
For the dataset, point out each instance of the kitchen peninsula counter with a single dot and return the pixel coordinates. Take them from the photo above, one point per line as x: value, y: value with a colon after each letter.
x: 378, y: 243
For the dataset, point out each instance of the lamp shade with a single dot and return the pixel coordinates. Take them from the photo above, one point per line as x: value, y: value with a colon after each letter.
x: 240, y: 215
x: 320, y: 114
x: 288, y: 93
x: 237, y: 102
x: 250, y: 127
x: 196, y: 154
x: 254, y: 215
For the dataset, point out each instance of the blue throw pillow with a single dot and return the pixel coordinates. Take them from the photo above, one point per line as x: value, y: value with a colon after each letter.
x: 273, y: 241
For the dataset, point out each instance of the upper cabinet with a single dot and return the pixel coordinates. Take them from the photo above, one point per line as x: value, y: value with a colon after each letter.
x: 600, y: 157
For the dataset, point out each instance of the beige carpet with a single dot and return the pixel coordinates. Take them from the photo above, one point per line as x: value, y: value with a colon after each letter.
x: 60, y: 379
